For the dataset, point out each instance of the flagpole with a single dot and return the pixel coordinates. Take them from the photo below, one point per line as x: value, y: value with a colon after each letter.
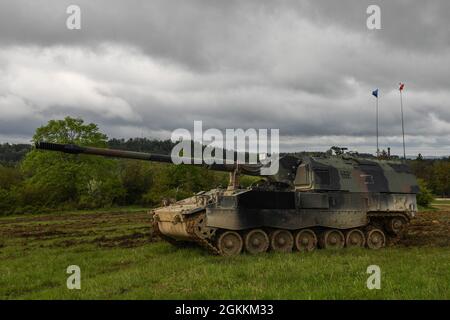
x: 378, y: 149
x: 403, y: 126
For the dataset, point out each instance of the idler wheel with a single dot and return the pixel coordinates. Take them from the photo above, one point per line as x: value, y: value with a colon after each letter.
x: 332, y: 239
x: 281, y: 241
x: 396, y: 225
x: 355, y: 239
x: 305, y: 240
x: 256, y: 241
x: 230, y: 243
x: 375, y: 239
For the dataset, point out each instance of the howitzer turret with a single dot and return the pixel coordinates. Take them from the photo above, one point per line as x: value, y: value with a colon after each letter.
x: 329, y: 201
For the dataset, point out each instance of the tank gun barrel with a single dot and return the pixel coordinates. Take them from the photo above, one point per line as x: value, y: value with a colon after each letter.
x: 250, y: 169
x: 76, y: 149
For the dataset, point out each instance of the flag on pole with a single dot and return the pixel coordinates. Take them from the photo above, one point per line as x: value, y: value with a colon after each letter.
x: 375, y: 94
x: 402, y: 85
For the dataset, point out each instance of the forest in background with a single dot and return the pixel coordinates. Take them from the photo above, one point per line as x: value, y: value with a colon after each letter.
x: 37, y: 181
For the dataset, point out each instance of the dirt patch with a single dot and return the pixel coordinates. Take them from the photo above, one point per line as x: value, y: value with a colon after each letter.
x: 429, y: 228
x: 105, y: 216
x: 124, y: 241
x: 103, y: 229
x: 42, y: 232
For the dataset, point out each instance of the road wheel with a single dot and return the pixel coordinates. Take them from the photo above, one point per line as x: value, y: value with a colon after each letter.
x: 396, y: 225
x: 305, y: 240
x: 281, y: 241
x: 256, y: 241
x: 375, y: 238
x: 355, y: 239
x: 230, y: 243
x: 332, y: 239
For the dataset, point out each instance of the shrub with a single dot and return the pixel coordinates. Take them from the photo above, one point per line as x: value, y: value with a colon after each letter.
x: 424, y: 197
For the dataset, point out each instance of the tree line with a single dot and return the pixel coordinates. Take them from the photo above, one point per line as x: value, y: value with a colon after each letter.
x: 36, y: 181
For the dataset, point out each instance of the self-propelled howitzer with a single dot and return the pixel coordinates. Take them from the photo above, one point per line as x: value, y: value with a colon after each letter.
x: 329, y: 201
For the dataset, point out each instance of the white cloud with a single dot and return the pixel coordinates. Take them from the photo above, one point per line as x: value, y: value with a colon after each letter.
x: 39, y: 79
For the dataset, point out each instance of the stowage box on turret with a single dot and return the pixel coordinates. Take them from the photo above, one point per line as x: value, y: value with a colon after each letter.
x: 330, y: 201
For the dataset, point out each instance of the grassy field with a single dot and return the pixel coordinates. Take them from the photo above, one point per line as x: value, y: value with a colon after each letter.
x: 439, y: 202
x: 118, y: 260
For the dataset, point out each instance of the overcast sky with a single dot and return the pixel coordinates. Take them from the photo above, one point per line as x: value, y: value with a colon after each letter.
x: 144, y: 68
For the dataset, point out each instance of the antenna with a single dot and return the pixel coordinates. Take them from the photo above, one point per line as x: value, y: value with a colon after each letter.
x: 402, y: 85
x: 378, y: 148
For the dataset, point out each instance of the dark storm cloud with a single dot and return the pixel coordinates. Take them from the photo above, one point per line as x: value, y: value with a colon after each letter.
x: 165, y: 23
x: 177, y: 30
x: 412, y: 25
x: 305, y: 67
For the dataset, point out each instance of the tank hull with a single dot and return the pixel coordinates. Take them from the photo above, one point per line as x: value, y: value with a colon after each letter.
x: 295, y: 210
x: 204, y: 218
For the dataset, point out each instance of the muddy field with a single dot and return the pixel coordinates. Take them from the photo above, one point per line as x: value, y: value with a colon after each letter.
x: 429, y: 228
x: 132, y: 229
x: 105, y: 229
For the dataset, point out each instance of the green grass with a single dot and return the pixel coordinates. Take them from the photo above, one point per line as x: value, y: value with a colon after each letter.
x: 159, y: 271
x: 441, y: 202
x: 34, y: 267
x: 436, y: 205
